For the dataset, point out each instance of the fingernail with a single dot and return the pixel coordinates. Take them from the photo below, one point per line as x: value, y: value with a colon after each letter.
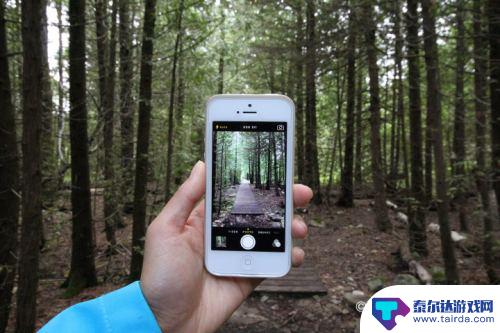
x: 195, y: 168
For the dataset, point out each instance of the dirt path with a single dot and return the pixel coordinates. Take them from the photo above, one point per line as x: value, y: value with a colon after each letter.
x: 245, y: 203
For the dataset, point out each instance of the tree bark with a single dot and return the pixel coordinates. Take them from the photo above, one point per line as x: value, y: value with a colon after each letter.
x: 111, y: 210
x: 49, y: 184
x: 258, y: 182
x: 311, y: 167
x: 9, y: 181
x: 126, y: 103
x: 434, y: 113
x: 417, y: 231
x: 347, y: 182
x: 179, y: 128
x: 458, y: 159
x: 32, y: 12
x: 82, y: 273
x: 173, y: 82
x: 222, y: 51
x: 381, y: 216
x: 143, y: 133
x: 494, y: 41
x: 269, y: 162
x: 358, y: 173
x: 299, y: 95
x: 481, y: 106
x: 401, y: 146
x: 106, y: 96
x: 60, y: 90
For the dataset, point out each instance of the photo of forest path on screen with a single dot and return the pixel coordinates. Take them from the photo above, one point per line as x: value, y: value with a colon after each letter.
x: 249, y: 179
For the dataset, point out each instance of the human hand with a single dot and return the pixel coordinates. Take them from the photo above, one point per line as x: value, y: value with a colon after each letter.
x: 181, y: 293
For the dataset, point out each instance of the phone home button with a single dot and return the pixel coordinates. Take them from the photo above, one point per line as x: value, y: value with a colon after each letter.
x: 247, y: 242
x: 247, y: 262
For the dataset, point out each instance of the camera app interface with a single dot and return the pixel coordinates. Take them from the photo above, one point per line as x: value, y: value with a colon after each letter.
x: 248, y: 186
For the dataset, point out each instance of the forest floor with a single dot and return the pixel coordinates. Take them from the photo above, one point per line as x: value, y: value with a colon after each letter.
x: 343, y: 244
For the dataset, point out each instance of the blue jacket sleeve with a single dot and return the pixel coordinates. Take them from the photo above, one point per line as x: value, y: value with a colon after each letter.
x: 123, y: 310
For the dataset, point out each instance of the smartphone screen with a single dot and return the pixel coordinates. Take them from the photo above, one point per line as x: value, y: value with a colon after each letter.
x: 249, y: 186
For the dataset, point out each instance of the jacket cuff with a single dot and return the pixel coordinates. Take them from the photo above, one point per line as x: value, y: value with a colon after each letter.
x: 126, y: 310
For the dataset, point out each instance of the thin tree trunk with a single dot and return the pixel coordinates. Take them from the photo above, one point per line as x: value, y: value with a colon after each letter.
x: 143, y: 133
x: 381, y: 216
x: 170, y: 130
x: 221, y: 182
x: 258, y: 183
x: 458, y: 158
x: 428, y: 157
x: 275, y: 167
x: 494, y: 39
x: 112, y: 214
x: 347, y: 182
x: 82, y: 273
x: 126, y: 104
x: 9, y: 181
x: 179, y: 115
x: 105, y: 73
x: 269, y: 163
x: 311, y: 145
x: 434, y: 113
x: 358, y: 161
x: 49, y: 184
x: 32, y: 12
x: 417, y: 230
x: 401, y: 129
x: 299, y: 94
x: 480, y: 105
x: 60, y: 89
x: 222, y: 51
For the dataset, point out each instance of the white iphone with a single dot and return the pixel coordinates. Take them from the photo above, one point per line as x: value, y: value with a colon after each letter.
x: 249, y: 141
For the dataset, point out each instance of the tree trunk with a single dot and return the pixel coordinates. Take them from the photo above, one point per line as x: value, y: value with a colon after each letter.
x: 170, y: 130
x: 82, y: 273
x: 458, y: 159
x: 111, y: 211
x: 434, y: 113
x: 381, y: 216
x: 299, y: 95
x: 347, y: 182
x: 106, y: 74
x: 480, y: 105
x: 311, y: 166
x: 258, y: 183
x: 180, y: 130
x: 9, y: 181
x: 143, y: 132
x: 32, y: 12
x: 222, y: 51
x: 358, y: 173
x: 494, y: 39
x: 269, y: 162
x: 49, y: 184
x: 428, y: 157
x: 275, y: 167
x: 60, y: 91
x: 417, y: 227
x: 400, y: 108
x: 126, y: 104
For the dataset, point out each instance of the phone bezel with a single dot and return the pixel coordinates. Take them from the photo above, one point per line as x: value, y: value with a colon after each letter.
x: 268, y: 107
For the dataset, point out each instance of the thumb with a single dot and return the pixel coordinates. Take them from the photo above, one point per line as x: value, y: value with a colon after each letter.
x: 179, y: 207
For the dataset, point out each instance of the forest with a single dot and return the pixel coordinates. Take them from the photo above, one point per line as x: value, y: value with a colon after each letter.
x: 102, y: 117
x: 249, y: 174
